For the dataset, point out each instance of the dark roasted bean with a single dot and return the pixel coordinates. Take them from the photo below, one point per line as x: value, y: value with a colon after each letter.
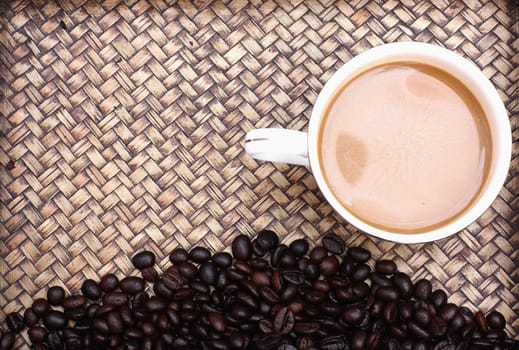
x: 7, y: 341
x: 90, y: 289
x: 386, y: 267
x: 267, y: 239
x: 481, y: 321
x: 40, y: 306
x: 317, y: 254
x: 390, y: 312
x: 208, y: 273
x: 422, y: 317
x: 54, y: 320
x: 333, y: 243
x: 149, y: 274
x: 423, y: 289
x: 404, y: 285
x: 329, y: 265
x: 222, y: 259
x: 448, y: 311
x: 188, y: 270
x: 359, y: 254
x: 109, y: 283
x: 30, y: 318
x: 241, y: 247
x: 353, y: 314
x: 360, y: 272
x: 37, y: 334
x: 143, y: 259
x: 438, y: 298
x: 115, y: 298
x: 178, y: 255
x: 288, y: 259
x: 496, y: 320
x: 55, y: 295
x: 388, y: 293
x: 132, y: 285
x: 276, y: 255
x: 283, y: 321
x: 74, y: 301
x: 199, y: 254
x: 15, y: 322
x: 299, y: 247
x: 312, y: 272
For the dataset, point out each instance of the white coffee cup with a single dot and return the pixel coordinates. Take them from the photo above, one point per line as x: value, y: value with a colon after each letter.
x: 300, y: 148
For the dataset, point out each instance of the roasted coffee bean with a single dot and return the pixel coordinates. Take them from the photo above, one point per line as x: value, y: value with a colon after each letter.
x: 276, y: 255
x: 143, y: 259
x: 7, y: 341
x: 260, y: 278
x: 422, y: 317
x: 329, y: 265
x: 149, y: 274
x: 289, y: 293
x: 54, y: 320
x: 481, y: 321
x: 353, y: 314
x: 438, y: 298
x: 75, y: 314
x: 244, y: 267
x: 160, y: 289
x: 14, y: 322
x: 132, y: 285
x: 115, y: 298
x: 457, y: 322
x: 55, y: 295
x: 437, y: 326
x: 359, y: 254
x: 30, y: 318
x: 155, y: 304
x: 390, y: 312
x: 423, y: 289
x: 317, y: 254
x: 241, y: 247
x: 222, y: 259
x: 283, y: 321
x: 115, y: 322
x: 178, y: 255
x: 299, y: 247
x: 360, y: 272
x: 417, y: 330
x: 288, y: 259
x: 101, y: 325
x: 199, y: 254
x: 257, y: 250
x: 312, y: 272
x: 333, y: 243
x: 307, y: 327
x: 217, y: 321
x: 40, y: 306
x: 37, y: 334
x: 293, y: 276
x: 358, y: 339
x: 448, y: 311
x: 386, y: 267
x: 188, y: 270
x: 496, y: 320
x: 109, y: 283
x: 90, y: 289
x: 267, y: 239
x: 404, y: 285
x: 74, y: 301
x: 388, y: 293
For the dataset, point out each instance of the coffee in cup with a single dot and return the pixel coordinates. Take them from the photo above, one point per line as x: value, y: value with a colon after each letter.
x: 409, y: 142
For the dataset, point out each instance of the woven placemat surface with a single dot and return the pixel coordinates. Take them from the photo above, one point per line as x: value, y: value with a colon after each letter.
x: 122, y: 127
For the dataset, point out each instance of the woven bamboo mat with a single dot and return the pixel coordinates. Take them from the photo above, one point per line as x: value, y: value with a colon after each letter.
x: 122, y: 126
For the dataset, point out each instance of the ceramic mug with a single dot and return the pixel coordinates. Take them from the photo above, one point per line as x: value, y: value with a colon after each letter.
x: 301, y: 148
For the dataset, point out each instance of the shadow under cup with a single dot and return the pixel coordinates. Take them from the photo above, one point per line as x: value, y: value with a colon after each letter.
x: 412, y: 143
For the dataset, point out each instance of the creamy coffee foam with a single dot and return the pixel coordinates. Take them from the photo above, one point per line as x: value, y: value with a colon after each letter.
x: 405, y: 147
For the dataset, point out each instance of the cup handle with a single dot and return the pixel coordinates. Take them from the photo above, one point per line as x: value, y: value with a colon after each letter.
x: 278, y: 145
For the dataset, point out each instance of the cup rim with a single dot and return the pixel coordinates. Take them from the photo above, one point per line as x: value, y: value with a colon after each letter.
x: 473, y: 78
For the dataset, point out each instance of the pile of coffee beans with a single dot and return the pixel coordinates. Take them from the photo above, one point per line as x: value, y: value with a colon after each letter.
x: 266, y: 296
